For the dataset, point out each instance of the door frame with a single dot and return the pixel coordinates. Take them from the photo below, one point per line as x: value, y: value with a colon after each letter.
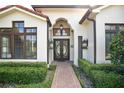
x: 54, y: 49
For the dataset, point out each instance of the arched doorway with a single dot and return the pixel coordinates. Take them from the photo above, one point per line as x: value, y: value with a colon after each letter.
x: 62, y: 34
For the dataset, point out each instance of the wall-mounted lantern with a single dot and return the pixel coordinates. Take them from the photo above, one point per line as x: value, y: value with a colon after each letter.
x: 85, y: 44
x: 50, y: 44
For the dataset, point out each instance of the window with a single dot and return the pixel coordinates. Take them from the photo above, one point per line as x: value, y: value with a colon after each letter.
x: 18, y: 42
x: 19, y: 46
x: 18, y: 26
x: 31, y: 46
x: 61, y: 32
x: 31, y: 30
x: 5, y: 47
x: 110, y: 31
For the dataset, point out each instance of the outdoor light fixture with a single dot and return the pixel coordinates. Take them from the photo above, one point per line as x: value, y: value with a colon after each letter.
x: 61, y: 29
x: 85, y: 44
x: 50, y: 44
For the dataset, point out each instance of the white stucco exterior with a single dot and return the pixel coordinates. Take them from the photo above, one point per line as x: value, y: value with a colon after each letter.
x: 29, y: 21
x: 73, y: 17
x: 109, y: 14
x: 88, y: 25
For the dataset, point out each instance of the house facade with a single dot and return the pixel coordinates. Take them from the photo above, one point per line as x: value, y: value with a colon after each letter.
x: 64, y: 33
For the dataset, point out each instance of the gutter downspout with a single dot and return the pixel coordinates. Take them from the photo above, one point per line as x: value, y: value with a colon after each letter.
x: 48, y: 44
x: 94, y: 30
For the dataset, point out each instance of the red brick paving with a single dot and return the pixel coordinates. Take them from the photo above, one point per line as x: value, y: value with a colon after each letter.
x: 65, y: 76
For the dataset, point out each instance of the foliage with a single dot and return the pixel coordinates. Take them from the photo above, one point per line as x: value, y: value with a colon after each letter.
x: 22, y: 75
x: 85, y: 66
x: 23, y: 64
x: 52, y: 67
x: 36, y: 85
x: 117, y: 48
x: 103, y: 75
x: 26, y: 74
x: 102, y: 79
x: 45, y: 84
x: 77, y: 72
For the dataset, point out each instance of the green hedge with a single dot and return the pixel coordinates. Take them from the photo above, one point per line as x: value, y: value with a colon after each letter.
x: 45, y: 84
x: 103, y: 75
x: 102, y: 79
x: 23, y: 64
x: 109, y: 68
x: 24, y: 73
x: 86, y: 66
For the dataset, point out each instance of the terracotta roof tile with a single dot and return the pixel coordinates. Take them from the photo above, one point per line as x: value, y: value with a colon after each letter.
x: 24, y: 8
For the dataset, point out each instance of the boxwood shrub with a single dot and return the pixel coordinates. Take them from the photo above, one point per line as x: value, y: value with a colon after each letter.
x: 102, y: 79
x: 103, y: 75
x: 86, y: 66
x: 22, y: 73
x: 23, y: 64
x: 109, y: 68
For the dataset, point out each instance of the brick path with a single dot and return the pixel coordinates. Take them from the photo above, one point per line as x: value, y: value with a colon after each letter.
x: 65, y: 76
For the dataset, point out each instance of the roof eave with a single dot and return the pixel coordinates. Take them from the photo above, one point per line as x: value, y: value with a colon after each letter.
x: 86, y: 15
x: 49, y: 22
x: 25, y: 9
x: 60, y: 6
x: 89, y: 11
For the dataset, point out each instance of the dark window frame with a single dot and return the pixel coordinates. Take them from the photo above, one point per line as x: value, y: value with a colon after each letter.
x: 110, y: 32
x: 12, y: 36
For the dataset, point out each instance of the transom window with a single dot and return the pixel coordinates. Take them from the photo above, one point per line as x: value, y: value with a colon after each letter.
x: 31, y: 30
x: 110, y: 31
x: 19, y: 26
x: 18, y: 42
x: 61, y: 31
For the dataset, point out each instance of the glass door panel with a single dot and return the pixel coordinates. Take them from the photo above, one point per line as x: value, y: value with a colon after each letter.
x: 61, y: 49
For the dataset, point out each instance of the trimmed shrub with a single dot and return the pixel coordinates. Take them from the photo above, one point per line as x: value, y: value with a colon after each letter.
x: 45, y: 84
x: 109, y: 68
x: 103, y: 75
x: 23, y: 64
x: 52, y: 67
x: 85, y: 66
x: 27, y: 73
x: 36, y: 85
x: 103, y: 79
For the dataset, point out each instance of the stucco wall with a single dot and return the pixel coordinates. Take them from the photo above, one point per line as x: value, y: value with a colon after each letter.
x: 112, y: 14
x: 73, y: 16
x: 88, y: 25
x: 29, y: 21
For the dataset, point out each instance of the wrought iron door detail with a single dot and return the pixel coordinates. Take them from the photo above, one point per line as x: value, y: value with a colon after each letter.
x: 61, y: 49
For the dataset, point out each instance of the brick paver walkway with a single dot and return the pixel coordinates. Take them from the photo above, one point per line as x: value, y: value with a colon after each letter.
x: 65, y: 76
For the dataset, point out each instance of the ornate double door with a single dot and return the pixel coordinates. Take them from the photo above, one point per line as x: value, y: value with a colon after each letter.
x: 61, y: 49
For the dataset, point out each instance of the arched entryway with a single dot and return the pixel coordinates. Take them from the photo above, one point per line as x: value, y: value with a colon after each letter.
x: 62, y: 36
